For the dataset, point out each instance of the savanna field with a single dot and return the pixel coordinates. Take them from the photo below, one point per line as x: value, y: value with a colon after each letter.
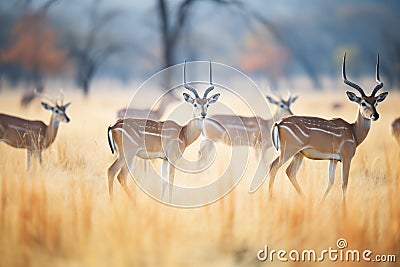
x: 59, y: 213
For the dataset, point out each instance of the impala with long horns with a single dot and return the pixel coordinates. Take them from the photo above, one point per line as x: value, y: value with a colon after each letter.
x: 335, y: 140
x: 150, y: 139
x: 34, y: 136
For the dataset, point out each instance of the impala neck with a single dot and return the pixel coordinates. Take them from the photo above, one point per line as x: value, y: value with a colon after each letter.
x: 51, y: 131
x: 281, y: 113
x: 192, y: 130
x: 361, y: 128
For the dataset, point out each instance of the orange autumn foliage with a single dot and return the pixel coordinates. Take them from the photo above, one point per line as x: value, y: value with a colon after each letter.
x: 34, y: 46
x: 261, y: 56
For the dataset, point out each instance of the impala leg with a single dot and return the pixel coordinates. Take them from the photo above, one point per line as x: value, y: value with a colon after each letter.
x: 265, y: 155
x: 123, y: 174
x: 39, y: 154
x: 345, y: 177
x: 277, y: 163
x: 292, y: 170
x: 164, y: 177
x: 28, y: 159
x: 112, y: 171
x: 171, y: 174
x: 331, y: 177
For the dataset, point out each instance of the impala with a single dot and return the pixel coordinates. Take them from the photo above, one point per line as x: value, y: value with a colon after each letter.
x: 396, y: 130
x: 319, y: 139
x: 34, y: 136
x: 149, y: 139
x: 245, y: 131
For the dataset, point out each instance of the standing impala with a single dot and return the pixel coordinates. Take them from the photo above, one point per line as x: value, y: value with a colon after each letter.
x: 319, y: 139
x: 35, y: 136
x: 149, y: 139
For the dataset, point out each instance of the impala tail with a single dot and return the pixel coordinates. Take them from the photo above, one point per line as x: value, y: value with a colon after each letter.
x: 111, y: 139
x: 275, y: 136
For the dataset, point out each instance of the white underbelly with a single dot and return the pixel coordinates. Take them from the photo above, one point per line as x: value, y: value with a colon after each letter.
x: 150, y: 155
x: 317, y: 155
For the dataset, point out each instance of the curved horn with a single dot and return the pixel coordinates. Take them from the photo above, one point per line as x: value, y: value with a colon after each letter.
x: 351, y: 84
x: 187, y: 86
x: 54, y: 101
x: 61, y: 97
x: 378, y: 80
x: 211, y: 87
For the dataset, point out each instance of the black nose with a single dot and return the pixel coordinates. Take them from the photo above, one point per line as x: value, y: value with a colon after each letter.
x: 203, y: 115
x: 375, y: 116
x: 67, y: 119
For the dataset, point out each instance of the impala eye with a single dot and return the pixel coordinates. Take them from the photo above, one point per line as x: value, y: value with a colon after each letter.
x: 282, y: 106
x: 363, y: 104
x: 195, y: 105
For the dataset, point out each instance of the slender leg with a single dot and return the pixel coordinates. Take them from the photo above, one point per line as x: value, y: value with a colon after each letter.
x: 171, y: 174
x: 207, y: 150
x: 331, y: 177
x: 28, y: 159
x: 265, y: 155
x: 292, y: 170
x: 123, y: 174
x: 164, y: 176
x: 40, y: 157
x: 345, y: 177
x: 112, y: 170
x: 277, y: 163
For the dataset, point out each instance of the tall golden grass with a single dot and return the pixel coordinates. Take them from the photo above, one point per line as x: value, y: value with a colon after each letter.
x: 59, y: 213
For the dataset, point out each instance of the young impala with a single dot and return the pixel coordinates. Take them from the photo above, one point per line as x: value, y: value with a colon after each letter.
x: 34, y: 136
x: 319, y: 139
x: 149, y: 139
x: 246, y: 131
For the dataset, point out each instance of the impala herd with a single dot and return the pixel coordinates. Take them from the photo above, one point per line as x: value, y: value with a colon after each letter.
x: 141, y: 133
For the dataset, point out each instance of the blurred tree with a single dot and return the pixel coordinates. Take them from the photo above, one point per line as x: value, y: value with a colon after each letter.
x: 264, y: 57
x: 171, y: 28
x: 34, y: 47
x: 90, y: 49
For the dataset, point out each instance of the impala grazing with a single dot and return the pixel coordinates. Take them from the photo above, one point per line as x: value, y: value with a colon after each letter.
x: 319, y: 139
x: 35, y: 136
x: 149, y: 139
x: 396, y: 130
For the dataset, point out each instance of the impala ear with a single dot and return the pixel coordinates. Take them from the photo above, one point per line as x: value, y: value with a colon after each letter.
x: 381, y: 97
x: 213, y: 98
x: 188, y: 98
x: 47, y: 106
x: 67, y: 105
x: 353, y: 98
x: 292, y: 99
x: 272, y: 101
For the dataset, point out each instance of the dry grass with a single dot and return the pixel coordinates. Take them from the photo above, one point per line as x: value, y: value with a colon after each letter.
x: 59, y: 213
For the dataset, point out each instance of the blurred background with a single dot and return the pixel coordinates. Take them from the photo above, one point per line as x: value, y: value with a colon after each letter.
x: 75, y: 43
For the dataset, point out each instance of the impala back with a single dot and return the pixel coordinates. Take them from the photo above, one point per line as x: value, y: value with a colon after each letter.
x: 22, y: 133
